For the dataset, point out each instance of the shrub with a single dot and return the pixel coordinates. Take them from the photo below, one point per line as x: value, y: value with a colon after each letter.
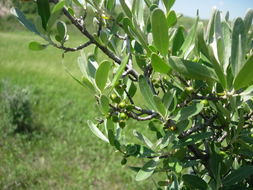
x: 193, y: 89
x: 17, y: 108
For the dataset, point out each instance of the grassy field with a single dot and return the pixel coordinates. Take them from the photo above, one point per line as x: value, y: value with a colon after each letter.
x: 61, y: 153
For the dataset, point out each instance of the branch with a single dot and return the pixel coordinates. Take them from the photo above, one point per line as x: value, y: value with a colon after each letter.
x: 91, y: 38
x: 197, y: 128
x: 68, y: 49
x: 151, y: 114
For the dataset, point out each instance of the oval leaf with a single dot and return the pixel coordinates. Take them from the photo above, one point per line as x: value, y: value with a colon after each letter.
x: 96, y: 131
x: 244, y: 77
x: 36, y: 46
x: 62, y: 31
x: 194, y: 182
x: 119, y: 72
x: 146, y: 171
x: 238, y: 175
x: 102, y: 73
x: 191, y: 69
x: 44, y: 11
x: 58, y: 6
x: 146, y: 92
x: 160, y: 31
x: 159, y: 65
x: 189, y: 111
x: 171, y: 18
x: 21, y: 17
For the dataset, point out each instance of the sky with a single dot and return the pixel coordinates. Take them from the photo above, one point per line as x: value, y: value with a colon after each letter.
x: 236, y: 8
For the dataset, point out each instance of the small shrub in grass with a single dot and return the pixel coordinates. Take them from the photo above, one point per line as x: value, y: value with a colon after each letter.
x: 192, y: 88
x: 17, y: 107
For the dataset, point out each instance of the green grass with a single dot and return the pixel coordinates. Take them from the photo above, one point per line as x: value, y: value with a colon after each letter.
x: 62, y: 153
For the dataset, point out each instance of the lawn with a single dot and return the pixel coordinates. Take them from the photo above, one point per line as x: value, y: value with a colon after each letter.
x: 61, y: 153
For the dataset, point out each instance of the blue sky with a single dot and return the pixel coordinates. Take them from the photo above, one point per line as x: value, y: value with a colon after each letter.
x: 235, y: 7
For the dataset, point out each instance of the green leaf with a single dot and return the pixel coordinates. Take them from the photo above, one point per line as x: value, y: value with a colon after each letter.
x: 160, y: 31
x: 168, y: 98
x: 96, y: 131
x: 238, y: 40
x: 238, y: 175
x: 39, y: 27
x: 191, y: 69
x: 142, y: 138
x: 159, y: 105
x: 147, y: 170
x: 189, y: 111
x: 146, y: 92
x: 193, y: 139
x: 120, y: 71
x: 62, y: 31
x: 91, y: 66
x: 159, y: 65
x: 21, y: 17
x: 58, y: 6
x: 210, y: 27
x: 201, y: 44
x: 168, y: 4
x: 110, y: 5
x: 105, y: 103
x: 244, y: 77
x: 36, y: 46
x: 44, y: 11
x: 248, y: 20
x: 189, y: 41
x: 87, y: 84
x: 102, y: 74
x: 178, y: 40
x: 126, y: 8
x: 171, y: 18
x: 111, y: 137
x: 194, y: 182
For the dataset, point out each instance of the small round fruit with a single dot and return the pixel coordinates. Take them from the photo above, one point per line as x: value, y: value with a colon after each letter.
x: 251, y: 135
x: 204, y: 102
x: 115, y: 98
x: 122, y: 105
x: 123, y: 115
x: 222, y: 153
x: 122, y: 124
x: 123, y: 161
x: 189, y: 89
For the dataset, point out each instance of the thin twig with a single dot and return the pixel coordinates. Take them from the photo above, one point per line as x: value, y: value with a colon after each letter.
x: 69, y: 49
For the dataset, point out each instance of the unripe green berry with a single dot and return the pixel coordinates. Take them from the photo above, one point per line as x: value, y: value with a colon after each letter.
x: 222, y: 153
x: 251, y: 135
x: 115, y: 98
x: 204, y: 102
x: 123, y: 161
x: 189, y: 89
x: 122, y: 105
x: 123, y: 115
